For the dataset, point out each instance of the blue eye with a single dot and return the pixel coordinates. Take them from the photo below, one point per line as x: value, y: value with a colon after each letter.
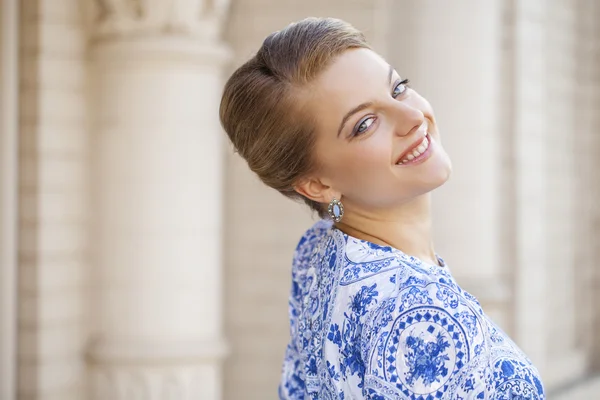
x: 363, y: 126
x: 400, y: 88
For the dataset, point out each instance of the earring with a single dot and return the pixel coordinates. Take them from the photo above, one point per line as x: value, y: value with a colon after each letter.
x: 335, y: 210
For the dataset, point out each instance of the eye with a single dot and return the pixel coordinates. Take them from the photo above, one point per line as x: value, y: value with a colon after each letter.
x: 400, y: 88
x: 363, y: 126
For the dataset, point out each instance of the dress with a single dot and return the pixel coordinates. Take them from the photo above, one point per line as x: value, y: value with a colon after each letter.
x: 370, y: 322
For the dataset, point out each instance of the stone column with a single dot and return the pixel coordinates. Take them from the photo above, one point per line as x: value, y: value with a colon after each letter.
x: 563, y: 105
x: 586, y: 167
x: 530, y: 178
x: 156, y: 83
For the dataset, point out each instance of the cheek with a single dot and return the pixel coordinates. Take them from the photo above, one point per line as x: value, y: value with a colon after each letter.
x: 365, y: 165
x: 368, y: 157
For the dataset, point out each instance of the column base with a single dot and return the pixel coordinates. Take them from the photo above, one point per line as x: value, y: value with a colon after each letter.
x: 151, y: 382
x: 165, y: 371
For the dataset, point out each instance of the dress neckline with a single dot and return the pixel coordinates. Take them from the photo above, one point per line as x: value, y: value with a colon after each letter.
x: 403, y: 255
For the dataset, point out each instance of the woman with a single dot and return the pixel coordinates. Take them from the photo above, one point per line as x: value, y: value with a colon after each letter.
x: 375, y: 313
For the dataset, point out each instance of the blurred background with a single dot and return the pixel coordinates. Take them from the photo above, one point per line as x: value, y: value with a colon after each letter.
x: 140, y: 259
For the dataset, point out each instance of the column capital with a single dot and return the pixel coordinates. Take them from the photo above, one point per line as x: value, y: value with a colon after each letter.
x: 199, y: 19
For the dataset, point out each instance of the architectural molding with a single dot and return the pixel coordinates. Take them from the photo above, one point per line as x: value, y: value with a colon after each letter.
x: 199, y: 18
x: 160, y: 50
x: 128, y: 383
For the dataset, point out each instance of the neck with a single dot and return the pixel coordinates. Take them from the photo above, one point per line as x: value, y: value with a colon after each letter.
x: 406, y: 228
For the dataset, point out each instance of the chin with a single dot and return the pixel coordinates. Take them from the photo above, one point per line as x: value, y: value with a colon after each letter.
x: 442, y: 167
x: 444, y: 177
x: 440, y: 175
x: 438, y: 182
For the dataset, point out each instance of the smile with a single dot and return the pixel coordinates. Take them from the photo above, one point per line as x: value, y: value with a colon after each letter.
x: 417, y: 153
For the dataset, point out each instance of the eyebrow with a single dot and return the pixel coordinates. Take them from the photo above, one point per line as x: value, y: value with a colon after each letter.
x: 362, y: 106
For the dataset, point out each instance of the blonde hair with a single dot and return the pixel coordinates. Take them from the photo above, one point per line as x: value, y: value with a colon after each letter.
x: 261, y: 108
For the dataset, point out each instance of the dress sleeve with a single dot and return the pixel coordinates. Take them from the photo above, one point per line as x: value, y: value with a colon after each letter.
x: 292, y: 384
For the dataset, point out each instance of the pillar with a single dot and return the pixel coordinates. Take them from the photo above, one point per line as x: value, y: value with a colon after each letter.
x: 586, y: 235
x: 564, y: 104
x: 157, y: 172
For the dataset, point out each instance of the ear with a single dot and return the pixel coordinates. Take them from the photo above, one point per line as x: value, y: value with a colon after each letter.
x: 316, y: 190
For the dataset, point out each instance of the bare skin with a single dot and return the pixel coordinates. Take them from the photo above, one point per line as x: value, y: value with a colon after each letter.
x: 364, y: 157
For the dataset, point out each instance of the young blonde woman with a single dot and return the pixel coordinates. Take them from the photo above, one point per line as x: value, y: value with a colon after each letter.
x: 374, y: 312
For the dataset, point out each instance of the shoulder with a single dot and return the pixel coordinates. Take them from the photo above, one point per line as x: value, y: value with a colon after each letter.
x: 310, y: 240
x: 314, y: 250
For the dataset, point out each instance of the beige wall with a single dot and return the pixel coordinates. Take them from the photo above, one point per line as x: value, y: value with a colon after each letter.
x: 52, y: 196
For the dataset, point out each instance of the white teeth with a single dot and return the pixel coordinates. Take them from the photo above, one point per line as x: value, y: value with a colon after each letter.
x: 416, y: 152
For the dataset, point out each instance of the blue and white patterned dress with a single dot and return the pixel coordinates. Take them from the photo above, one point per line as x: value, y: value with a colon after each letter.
x: 370, y: 322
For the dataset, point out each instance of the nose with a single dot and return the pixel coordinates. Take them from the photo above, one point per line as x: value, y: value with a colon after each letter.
x: 408, y: 119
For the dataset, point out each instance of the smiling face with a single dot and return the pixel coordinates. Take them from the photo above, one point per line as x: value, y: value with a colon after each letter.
x: 377, y: 143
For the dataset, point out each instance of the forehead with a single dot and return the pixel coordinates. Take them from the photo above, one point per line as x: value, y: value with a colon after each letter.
x: 354, y: 77
x: 354, y: 66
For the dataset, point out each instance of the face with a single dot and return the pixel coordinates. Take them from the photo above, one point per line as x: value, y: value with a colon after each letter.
x: 377, y: 145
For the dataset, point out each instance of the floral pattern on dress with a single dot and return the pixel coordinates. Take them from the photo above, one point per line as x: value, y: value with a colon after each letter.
x: 370, y: 322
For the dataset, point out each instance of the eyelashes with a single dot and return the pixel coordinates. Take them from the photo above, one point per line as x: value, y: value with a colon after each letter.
x: 365, y: 123
x: 400, y: 87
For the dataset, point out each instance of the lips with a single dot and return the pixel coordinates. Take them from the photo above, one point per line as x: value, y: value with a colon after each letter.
x: 415, y: 151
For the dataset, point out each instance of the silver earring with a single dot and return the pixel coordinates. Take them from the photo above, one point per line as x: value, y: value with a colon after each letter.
x: 335, y: 210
